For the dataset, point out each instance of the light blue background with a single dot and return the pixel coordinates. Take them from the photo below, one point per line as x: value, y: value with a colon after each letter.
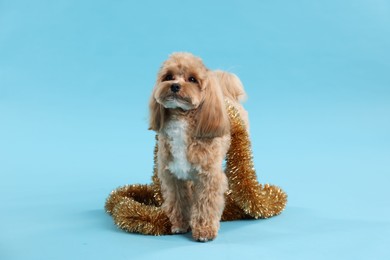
x: 75, y: 79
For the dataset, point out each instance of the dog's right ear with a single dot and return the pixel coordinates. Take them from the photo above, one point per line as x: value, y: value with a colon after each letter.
x: 157, y: 114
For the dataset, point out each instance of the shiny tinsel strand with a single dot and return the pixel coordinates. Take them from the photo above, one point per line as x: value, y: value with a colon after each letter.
x: 254, y: 199
x: 136, y: 217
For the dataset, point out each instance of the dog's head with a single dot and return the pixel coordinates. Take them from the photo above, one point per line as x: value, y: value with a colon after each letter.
x: 184, y: 83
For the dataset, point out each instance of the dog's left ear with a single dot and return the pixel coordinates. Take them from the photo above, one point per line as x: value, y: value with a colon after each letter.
x: 212, y: 117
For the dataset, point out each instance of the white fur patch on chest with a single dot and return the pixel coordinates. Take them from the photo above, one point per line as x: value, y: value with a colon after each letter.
x: 176, y: 131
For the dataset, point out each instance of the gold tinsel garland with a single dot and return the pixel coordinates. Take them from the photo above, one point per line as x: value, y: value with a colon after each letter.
x: 137, y: 208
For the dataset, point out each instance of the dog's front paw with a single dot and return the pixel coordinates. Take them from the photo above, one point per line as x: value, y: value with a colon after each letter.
x: 204, y: 234
x: 179, y: 230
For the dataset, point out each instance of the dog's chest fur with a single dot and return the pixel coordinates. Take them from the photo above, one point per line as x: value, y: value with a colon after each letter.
x: 176, y: 131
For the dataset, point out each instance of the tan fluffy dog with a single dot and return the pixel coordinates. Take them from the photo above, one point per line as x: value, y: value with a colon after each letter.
x: 187, y: 110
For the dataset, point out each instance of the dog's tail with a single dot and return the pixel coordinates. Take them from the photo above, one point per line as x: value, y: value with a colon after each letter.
x: 231, y: 86
x: 233, y: 90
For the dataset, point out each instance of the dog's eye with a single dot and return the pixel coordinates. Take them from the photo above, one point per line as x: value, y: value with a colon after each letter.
x: 192, y: 79
x: 168, y: 77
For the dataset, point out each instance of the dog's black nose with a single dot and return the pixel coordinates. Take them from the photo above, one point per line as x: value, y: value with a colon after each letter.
x: 175, y: 88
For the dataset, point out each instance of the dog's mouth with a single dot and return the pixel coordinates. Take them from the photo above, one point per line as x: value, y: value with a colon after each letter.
x: 174, y: 101
x: 177, y: 97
